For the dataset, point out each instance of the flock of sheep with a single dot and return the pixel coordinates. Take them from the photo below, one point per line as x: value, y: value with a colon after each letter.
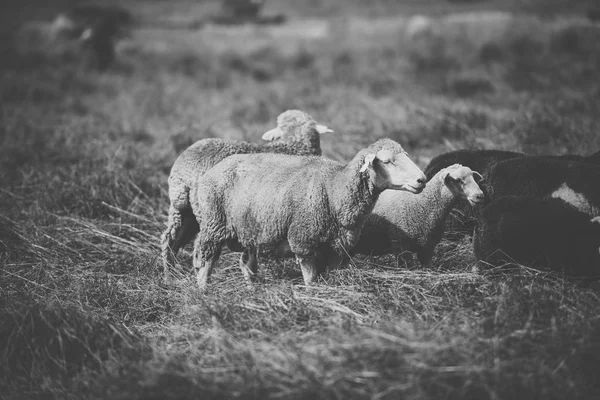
x: 282, y: 199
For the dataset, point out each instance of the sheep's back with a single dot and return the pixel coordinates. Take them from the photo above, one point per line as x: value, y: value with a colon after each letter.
x: 478, y: 160
x: 543, y: 177
x: 206, y: 153
x: 546, y: 233
x: 268, y: 197
x: 483, y: 161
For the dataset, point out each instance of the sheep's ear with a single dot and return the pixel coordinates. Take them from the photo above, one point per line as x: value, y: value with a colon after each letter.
x: 478, y: 176
x: 369, y: 158
x: 273, y: 134
x: 448, y: 179
x: 323, y: 129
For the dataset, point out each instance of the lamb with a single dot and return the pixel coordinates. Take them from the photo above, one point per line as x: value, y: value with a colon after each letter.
x: 296, y: 133
x: 302, y: 206
x: 543, y: 233
x: 401, y: 221
x: 575, y: 182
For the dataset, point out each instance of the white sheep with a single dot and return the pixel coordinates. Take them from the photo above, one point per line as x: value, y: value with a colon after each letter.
x: 403, y: 222
x: 296, y: 133
x: 307, y: 205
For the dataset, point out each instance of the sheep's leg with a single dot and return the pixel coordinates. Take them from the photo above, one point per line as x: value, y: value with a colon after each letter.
x: 309, y: 268
x: 205, y: 257
x: 205, y: 269
x: 329, y: 259
x: 249, y: 264
x: 180, y: 231
x: 425, y: 258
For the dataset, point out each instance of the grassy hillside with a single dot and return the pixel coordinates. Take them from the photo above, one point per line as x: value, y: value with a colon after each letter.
x: 84, y: 160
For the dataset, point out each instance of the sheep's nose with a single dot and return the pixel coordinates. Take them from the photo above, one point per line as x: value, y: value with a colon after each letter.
x: 479, y: 196
x: 421, y: 181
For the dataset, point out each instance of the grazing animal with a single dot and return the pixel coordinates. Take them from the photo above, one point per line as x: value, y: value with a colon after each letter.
x: 306, y: 206
x: 296, y: 133
x: 544, y: 233
x: 483, y: 160
x: 464, y: 218
x: 575, y: 182
x: 407, y: 222
x: 478, y: 160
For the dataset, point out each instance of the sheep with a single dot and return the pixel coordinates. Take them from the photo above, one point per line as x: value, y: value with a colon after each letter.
x: 402, y: 221
x: 544, y: 233
x: 304, y: 206
x: 575, y: 182
x: 296, y: 133
x: 483, y: 161
x: 478, y: 160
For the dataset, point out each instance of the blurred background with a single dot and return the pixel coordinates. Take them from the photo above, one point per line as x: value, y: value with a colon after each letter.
x: 434, y: 75
x: 97, y: 99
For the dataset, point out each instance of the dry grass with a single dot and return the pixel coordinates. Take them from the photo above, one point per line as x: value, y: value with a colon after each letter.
x: 84, y: 163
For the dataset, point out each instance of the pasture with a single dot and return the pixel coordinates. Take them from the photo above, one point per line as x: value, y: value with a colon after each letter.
x: 84, y: 161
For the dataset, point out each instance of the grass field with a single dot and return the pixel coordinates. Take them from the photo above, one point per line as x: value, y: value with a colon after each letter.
x: 84, y: 160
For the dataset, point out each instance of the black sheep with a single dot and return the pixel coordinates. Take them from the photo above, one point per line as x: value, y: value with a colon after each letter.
x: 543, y: 233
x: 575, y: 182
x: 463, y: 218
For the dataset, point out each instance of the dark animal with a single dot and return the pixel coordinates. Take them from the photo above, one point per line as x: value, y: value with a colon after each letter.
x: 463, y: 218
x: 483, y: 160
x: 543, y: 233
x: 577, y: 183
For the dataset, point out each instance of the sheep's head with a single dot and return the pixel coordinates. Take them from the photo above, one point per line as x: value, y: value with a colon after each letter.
x: 462, y: 182
x: 295, y: 125
x: 391, y: 168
